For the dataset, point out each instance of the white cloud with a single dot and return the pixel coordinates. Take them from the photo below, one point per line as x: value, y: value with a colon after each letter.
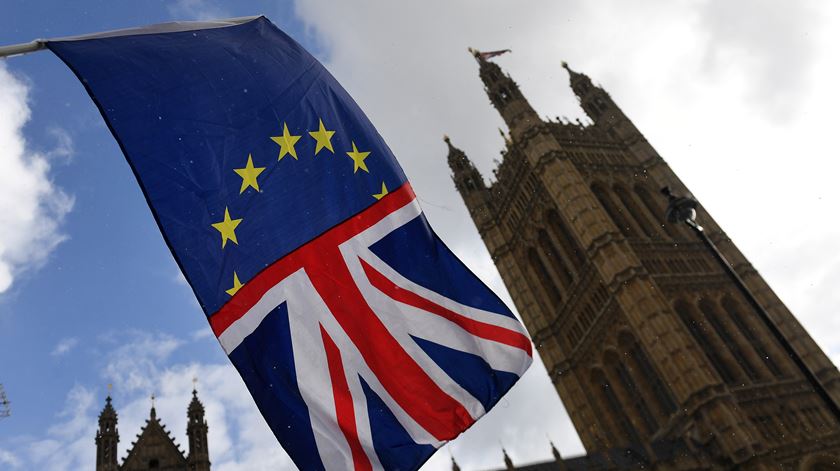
x: 10, y: 459
x: 32, y: 208
x: 64, y: 346
x: 201, y: 10
x: 738, y: 99
x: 706, y: 94
x: 66, y: 445
x: 136, y: 362
x: 139, y: 364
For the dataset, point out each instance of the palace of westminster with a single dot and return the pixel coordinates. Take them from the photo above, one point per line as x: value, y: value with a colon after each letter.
x: 661, y: 361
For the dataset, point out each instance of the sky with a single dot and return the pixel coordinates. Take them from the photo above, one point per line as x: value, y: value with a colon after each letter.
x: 740, y: 98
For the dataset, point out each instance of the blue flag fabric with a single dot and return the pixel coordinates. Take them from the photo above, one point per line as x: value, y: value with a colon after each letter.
x: 365, y: 343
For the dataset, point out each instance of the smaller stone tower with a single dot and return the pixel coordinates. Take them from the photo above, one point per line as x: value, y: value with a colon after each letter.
x: 199, y: 458
x: 107, y: 438
x: 154, y: 447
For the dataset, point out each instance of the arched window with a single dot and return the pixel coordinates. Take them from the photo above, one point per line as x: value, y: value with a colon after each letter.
x: 713, y: 350
x: 646, y: 375
x: 543, y: 276
x: 618, y: 217
x: 630, y: 391
x: 558, y: 263
x: 641, y: 219
x: 569, y: 243
x: 739, y: 318
x: 606, y: 395
x: 728, y: 337
x: 655, y: 210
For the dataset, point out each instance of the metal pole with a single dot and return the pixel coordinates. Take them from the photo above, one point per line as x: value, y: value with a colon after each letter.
x: 682, y: 209
x: 175, y: 26
x: 25, y: 48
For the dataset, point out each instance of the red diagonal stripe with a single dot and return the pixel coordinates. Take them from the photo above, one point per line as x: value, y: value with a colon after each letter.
x: 477, y: 328
x: 255, y: 288
x: 410, y: 386
x: 344, y: 410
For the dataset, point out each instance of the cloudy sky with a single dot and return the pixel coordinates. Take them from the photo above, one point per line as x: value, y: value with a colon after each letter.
x: 740, y: 98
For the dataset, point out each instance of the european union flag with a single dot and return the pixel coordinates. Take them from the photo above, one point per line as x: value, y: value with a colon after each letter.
x: 364, y: 341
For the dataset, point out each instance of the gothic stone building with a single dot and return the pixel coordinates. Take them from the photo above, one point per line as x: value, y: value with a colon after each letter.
x: 659, y: 359
x: 154, y: 447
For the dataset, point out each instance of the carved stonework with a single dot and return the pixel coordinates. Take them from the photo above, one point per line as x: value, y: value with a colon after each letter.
x: 657, y: 356
x: 154, y: 447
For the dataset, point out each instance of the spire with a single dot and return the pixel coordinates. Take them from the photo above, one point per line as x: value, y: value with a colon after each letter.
x: 505, y: 95
x: 107, y: 438
x: 108, y: 412
x: 195, y: 407
x: 558, y: 459
x: 508, y: 462
x: 594, y: 100
x: 153, y: 412
x: 455, y: 466
x: 575, y: 77
x: 199, y: 457
x: 555, y: 452
x: 457, y: 159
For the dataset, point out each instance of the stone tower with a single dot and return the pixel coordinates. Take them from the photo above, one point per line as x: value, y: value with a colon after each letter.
x: 657, y: 356
x: 107, y: 438
x: 199, y: 457
x: 154, y: 447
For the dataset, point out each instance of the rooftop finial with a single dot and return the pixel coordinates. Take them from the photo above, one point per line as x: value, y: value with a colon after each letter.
x: 555, y: 452
x: 565, y: 65
x: 508, y: 461
x: 446, y: 138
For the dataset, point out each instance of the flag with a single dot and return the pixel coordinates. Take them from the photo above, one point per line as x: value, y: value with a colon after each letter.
x: 491, y: 54
x: 365, y: 343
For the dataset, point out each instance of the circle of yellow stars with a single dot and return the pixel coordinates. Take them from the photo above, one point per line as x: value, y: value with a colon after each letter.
x: 250, y: 178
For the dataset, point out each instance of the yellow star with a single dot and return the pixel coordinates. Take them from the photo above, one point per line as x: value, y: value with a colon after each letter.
x: 227, y: 228
x: 358, y: 158
x: 381, y: 194
x: 236, y: 285
x: 249, y: 175
x: 322, y: 138
x: 286, y: 142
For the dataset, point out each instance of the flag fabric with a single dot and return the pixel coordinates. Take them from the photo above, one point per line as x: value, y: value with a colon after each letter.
x: 365, y: 343
x: 491, y: 54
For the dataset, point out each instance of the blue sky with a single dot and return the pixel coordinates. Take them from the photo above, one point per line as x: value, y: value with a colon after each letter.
x: 91, y: 295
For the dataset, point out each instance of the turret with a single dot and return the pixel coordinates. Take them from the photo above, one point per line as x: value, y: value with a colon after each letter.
x: 107, y: 438
x: 199, y: 457
x: 600, y: 107
x: 596, y: 102
x: 558, y: 459
x: 470, y: 185
x: 508, y: 462
x: 505, y: 95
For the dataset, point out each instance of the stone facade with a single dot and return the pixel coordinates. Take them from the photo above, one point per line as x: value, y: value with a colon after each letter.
x: 657, y: 356
x: 154, y: 447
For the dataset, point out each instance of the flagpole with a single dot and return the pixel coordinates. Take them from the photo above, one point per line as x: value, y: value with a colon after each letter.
x: 23, y: 48
x: 171, y: 27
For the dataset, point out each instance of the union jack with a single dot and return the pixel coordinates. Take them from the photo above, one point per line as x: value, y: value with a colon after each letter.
x: 358, y: 326
x: 365, y: 343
